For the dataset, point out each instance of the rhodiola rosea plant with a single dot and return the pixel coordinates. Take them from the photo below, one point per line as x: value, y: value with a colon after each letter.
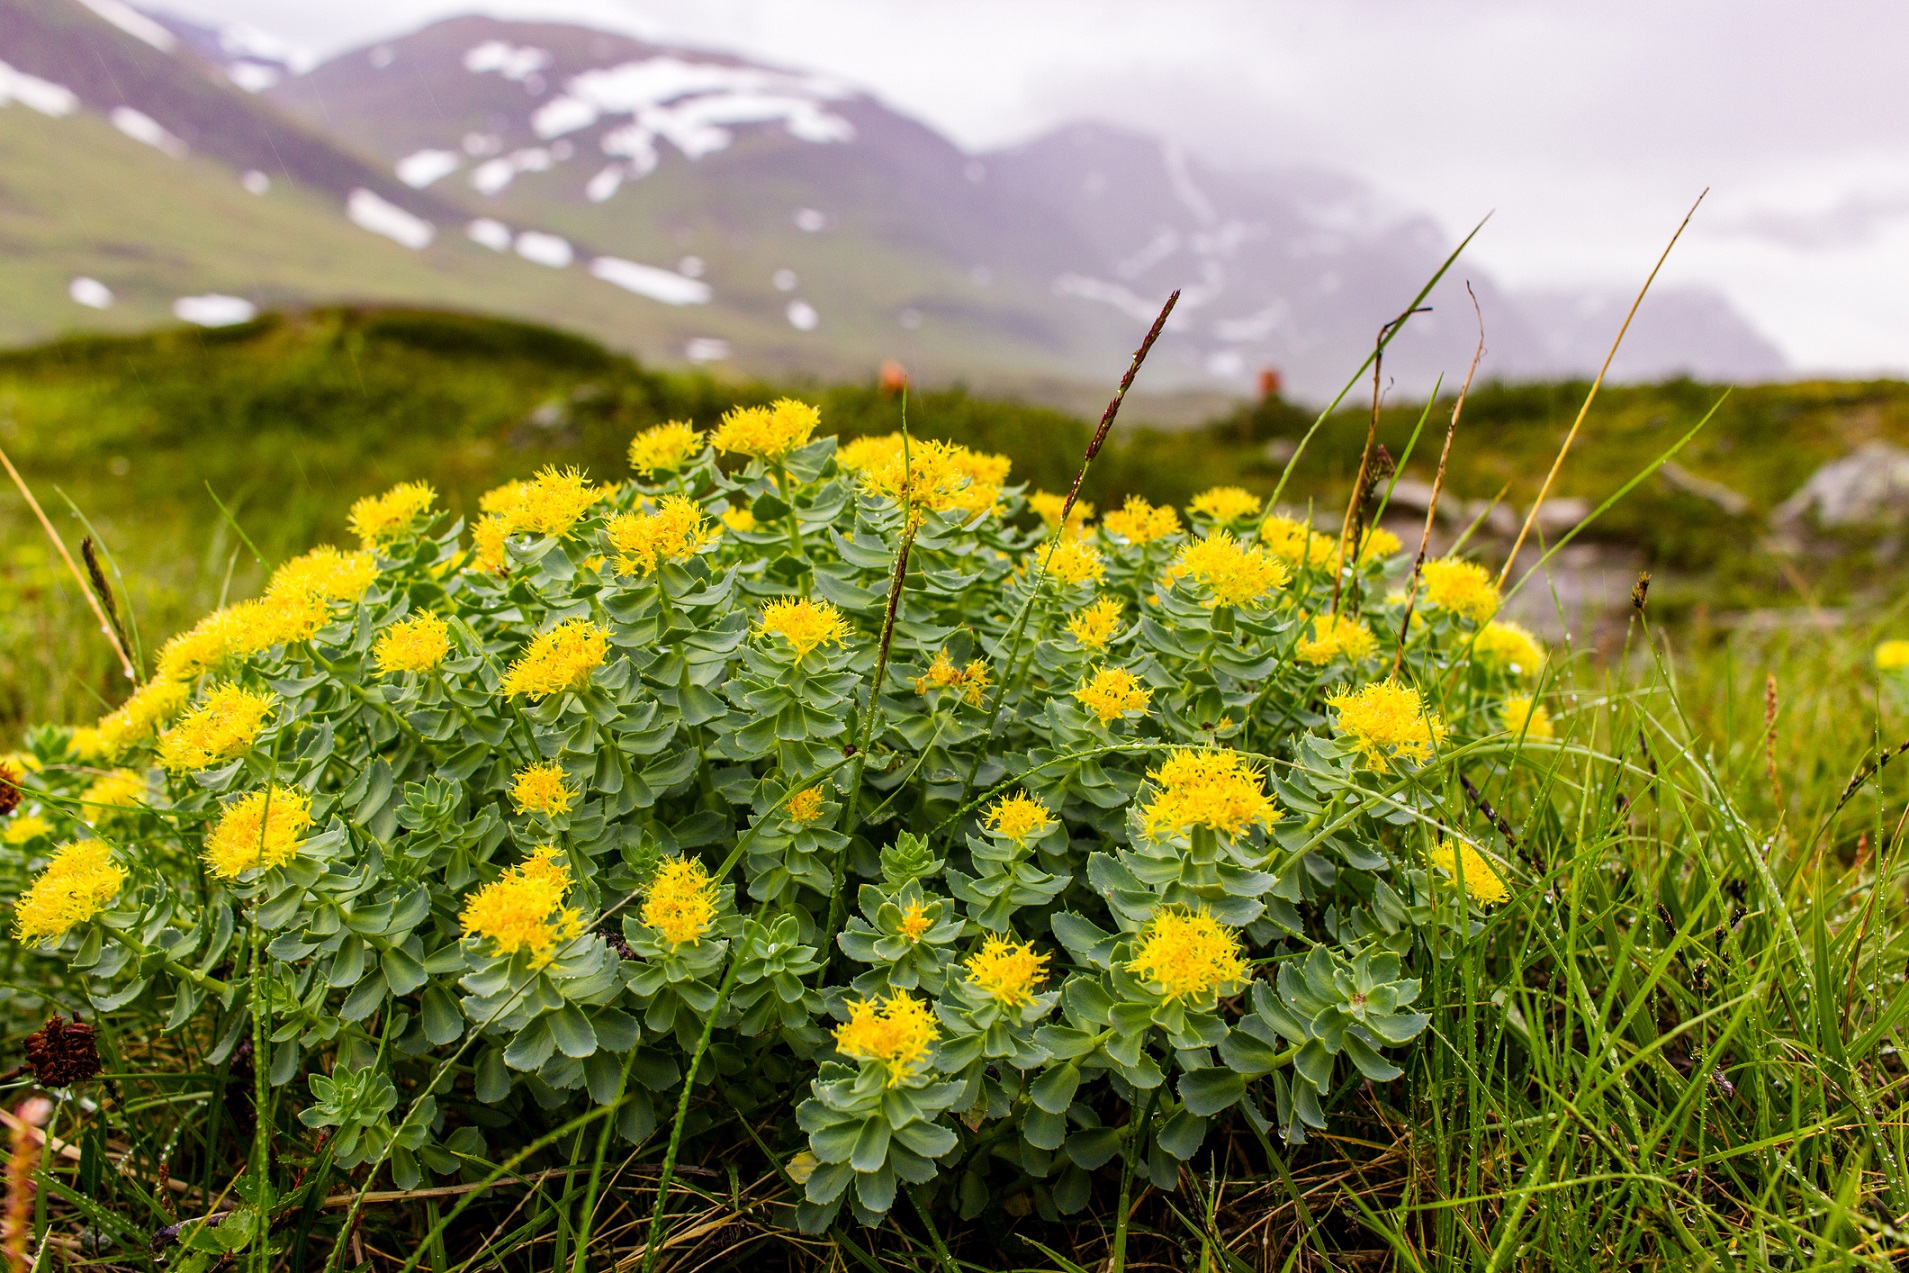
x: 1015, y: 845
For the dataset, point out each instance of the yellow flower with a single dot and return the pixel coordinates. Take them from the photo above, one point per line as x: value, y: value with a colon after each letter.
x: 281, y: 619
x: 972, y: 681
x: 324, y: 573
x: 1232, y: 573
x: 112, y: 793
x: 500, y: 500
x: 1481, y: 882
x: 523, y: 909
x: 915, y: 921
x: 664, y: 448
x: 1226, y: 504
x: 1187, y: 954
x: 26, y: 827
x: 1510, y: 647
x: 558, y: 660
x: 1296, y: 544
x: 1388, y: 719
x: 553, y: 502
x: 740, y: 519
x: 803, y: 623
x: 1098, y: 624
x: 1207, y: 788
x: 676, y: 531
x: 1892, y: 656
x: 416, y: 644
x: 377, y: 519
x: 218, y: 729
x: 872, y: 451
x: 681, y: 903
x: 804, y: 806
x: 1075, y: 562
x: 79, y: 883
x: 259, y: 829
x: 897, y: 1034
x: 1111, y: 692
x: 1018, y: 817
x: 488, y: 536
x: 135, y: 720
x: 1139, y: 522
x: 934, y: 475
x: 768, y: 433
x: 86, y: 745
x: 1463, y: 587
x: 1334, y: 636
x: 22, y: 761
x: 1009, y: 972
x: 1048, y: 506
x: 541, y: 789
x: 1529, y: 719
x: 1379, y: 542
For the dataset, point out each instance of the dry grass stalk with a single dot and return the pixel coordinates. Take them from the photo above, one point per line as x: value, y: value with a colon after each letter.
x: 125, y: 661
x: 23, y: 1160
x: 1557, y: 464
x: 1438, y: 485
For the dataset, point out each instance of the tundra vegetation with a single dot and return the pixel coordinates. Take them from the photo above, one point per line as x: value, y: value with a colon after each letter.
x: 839, y: 851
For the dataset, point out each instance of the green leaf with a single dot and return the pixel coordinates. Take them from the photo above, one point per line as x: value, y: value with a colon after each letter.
x: 1210, y: 1090
x: 442, y: 1019
x: 401, y: 972
x: 572, y: 1032
x: 531, y: 1046
x: 1092, y: 1148
x: 1054, y: 1090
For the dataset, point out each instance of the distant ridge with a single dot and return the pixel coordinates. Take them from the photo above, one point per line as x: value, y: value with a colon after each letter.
x: 692, y: 205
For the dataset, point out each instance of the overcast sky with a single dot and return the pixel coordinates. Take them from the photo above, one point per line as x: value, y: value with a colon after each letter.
x: 1587, y: 129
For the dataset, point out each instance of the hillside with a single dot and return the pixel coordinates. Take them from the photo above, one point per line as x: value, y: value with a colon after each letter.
x: 689, y: 206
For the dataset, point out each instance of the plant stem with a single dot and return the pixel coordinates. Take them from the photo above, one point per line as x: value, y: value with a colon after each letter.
x: 1117, y: 1262
x: 587, y: 1214
x: 652, y: 1247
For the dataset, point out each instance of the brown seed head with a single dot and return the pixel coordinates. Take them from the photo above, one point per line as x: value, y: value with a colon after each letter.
x: 62, y: 1053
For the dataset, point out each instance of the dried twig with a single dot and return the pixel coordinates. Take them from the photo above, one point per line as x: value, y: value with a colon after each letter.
x: 1361, y: 484
x: 1438, y: 483
x: 125, y: 662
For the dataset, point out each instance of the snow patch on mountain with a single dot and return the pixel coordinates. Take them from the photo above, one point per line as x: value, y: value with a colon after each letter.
x: 134, y: 23
x: 35, y: 93
x: 657, y: 284
x: 370, y: 212
x: 141, y: 127
x: 516, y: 63
x: 426, y: 166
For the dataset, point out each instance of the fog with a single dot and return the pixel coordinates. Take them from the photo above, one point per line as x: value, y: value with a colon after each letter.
x: 1586, y: 131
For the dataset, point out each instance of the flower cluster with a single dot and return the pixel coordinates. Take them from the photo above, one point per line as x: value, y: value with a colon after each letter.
x: 803, y: 623
x: 767, y: 433
x: 896, y: 1034
x: 1111, y: 693
x: 81, y: 881
x: 558, y: 660
x: 1215, y: 789
x: 969, y: 682
x: 1386, y: 720
x: 1188, y: 955
x: 523, y: 909
x: 663, y: 764
x: 258, y: 831
x: 219, y: 728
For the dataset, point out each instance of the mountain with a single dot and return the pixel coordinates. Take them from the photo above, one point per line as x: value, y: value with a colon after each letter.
x: 688, y: 204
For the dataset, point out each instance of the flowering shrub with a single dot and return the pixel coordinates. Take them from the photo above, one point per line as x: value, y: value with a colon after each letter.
x: 1080, y: 838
